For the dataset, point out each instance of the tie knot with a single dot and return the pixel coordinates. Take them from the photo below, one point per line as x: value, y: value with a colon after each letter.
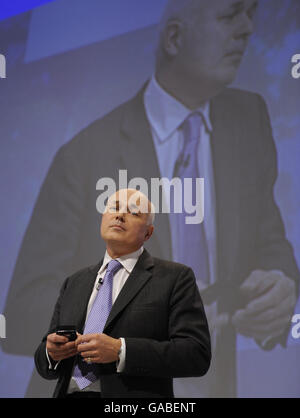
x: 195, y: 117
x: 191, y: 126
x: 113, y: 266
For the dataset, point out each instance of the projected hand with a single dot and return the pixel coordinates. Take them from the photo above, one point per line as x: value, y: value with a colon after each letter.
x: 272, y: 299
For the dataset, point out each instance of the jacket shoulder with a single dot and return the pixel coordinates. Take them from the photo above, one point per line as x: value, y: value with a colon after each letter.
x: 170, y: 266
x: 105, y: 129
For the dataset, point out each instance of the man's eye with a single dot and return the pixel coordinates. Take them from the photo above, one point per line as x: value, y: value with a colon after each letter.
x: 228, y: 17
x: 232, y: 16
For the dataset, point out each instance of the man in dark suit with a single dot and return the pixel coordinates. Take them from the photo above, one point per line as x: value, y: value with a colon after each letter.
x: 254, y: 288
x: 156, y: 309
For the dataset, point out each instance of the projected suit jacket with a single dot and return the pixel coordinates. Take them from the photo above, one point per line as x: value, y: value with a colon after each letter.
x: 63, y: 234
x: 160, y: 314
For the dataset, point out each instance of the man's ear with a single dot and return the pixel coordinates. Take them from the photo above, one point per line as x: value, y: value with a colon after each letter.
x: 149, y: 232
x: 172, y: 37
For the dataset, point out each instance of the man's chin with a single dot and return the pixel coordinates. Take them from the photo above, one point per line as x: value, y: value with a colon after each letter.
x: 229, y: 72
x: 219, y: 79
x: 226, y: 77
x: 115, y: 236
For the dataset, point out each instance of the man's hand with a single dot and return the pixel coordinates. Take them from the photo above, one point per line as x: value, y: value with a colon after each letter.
x: 59, y: 347
x: 98, y: 348
x: 272, y: 299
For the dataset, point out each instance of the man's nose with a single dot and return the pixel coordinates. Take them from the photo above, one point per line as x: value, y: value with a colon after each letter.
x: 245, y: 27
x: 120, y: 216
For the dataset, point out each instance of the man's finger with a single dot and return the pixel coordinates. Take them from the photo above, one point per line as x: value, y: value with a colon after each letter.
x: 86, y: 338
x: 238, y: 317
x: 257, y: 283
x: 87, y: 354
x: 85, y: 347
x: 262, y: 331
x: 253, y: 281
x: 269, y: 300
x: 62, y: 356
x: 284, y: 309
x: 57, y: 339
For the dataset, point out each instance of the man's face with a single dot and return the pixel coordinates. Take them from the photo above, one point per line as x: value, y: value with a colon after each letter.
x: 215, y: 40
x: 124, y: 227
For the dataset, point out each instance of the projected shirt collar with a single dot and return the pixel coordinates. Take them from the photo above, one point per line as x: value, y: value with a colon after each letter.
x: 165, y: 113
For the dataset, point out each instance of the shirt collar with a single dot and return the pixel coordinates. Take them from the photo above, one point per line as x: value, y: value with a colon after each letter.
x: 165, y: 113
x: 128, y: 261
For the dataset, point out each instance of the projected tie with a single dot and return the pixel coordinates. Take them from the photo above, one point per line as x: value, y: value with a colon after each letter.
x: 84, y: 373
x: 190, y: 245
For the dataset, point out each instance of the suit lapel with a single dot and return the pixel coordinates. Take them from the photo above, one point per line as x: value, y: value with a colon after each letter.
x: 136, y: 280
x: 138, y: 156
x: 226, y: 169
x: 138, y: 149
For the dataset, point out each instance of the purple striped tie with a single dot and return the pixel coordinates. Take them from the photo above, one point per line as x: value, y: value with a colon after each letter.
x: 191, y: 246
x: 84, y: 373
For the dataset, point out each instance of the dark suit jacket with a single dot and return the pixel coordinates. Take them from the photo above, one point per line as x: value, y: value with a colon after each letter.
x: 160, y: 314
x: 63, y: 234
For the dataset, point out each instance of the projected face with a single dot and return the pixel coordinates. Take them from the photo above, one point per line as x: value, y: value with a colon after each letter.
x: 215, y: 40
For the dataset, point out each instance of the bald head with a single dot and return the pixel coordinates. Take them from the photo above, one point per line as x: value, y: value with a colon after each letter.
x: 181, y: 9
x: 132, y: 200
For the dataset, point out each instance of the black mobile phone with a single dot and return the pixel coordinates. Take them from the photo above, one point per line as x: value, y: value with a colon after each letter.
x: 68, y: 331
